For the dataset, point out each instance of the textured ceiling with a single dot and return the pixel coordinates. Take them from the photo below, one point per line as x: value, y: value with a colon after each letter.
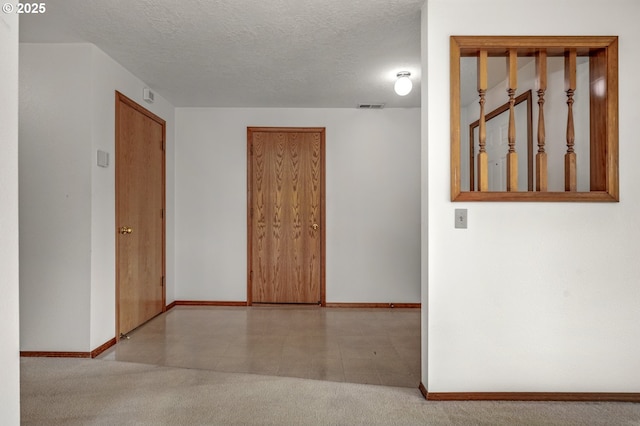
x: 249, y: 53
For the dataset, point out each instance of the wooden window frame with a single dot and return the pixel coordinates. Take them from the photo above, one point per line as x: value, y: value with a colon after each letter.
x: 603, y: 64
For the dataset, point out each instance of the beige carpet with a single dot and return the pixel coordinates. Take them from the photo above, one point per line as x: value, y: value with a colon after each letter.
x: 97, y: 392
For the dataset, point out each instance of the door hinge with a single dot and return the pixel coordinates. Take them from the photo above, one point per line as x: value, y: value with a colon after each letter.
x: 162, y: 213
x: 163, y: 144
x: 163, y: 282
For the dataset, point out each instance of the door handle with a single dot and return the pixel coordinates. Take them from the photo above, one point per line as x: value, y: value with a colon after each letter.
x: 315, y: 226
x: 125, y: 230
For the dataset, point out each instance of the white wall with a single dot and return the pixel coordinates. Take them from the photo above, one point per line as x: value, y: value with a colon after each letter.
x: 67, y: 202
x: 533, y: 296
x: 9, y: 332
x: 372, y: 201
x: 424, y: 197
x: 55, y: 197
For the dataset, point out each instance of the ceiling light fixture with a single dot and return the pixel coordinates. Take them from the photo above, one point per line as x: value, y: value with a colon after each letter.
x: 403, y: 84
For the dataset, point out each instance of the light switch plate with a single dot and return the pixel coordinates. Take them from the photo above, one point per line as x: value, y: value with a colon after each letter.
x: 461, y: 218
x: 103, y: 159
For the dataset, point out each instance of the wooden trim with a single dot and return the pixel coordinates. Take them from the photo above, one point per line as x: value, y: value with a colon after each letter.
x: 206, y: 303
x: 322, y: 131
x: 164, y: 215
x: 533, y: 396
x: 286, y: 129
x: 594, y: 196
x: 249, y: 216
x: 613, y: 184
x: 97, y: 351
x: 423, y: 390
x: 328, y: 305
x: 35, y: 354
x: 323, y: 228
x: 528, y: 45
x: 375, y: 305
x: 170, y: 306
x: 119, y: 97
x: 454, y: 114
x: 603, y: 53
x: 45, y: 354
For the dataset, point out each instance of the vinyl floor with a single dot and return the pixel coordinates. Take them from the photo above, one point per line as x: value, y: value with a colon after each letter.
x: 371, y: 346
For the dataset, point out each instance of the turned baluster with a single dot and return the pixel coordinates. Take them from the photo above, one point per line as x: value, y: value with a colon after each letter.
x: 541, y: 156
x: 512, y: 155
x: 570, y: 172
x: 483, y: 159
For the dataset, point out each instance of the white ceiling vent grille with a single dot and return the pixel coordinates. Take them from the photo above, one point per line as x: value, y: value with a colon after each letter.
x: 370, y: 106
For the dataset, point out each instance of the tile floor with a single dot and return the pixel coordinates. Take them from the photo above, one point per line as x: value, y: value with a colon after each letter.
x: 374, y: 346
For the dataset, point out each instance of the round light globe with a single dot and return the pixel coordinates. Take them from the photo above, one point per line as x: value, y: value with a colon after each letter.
x: 403, y: 86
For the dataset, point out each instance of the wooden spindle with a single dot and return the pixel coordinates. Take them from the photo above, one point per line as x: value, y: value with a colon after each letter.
x: 512, y: 155
x: 483, y: 158
x: 541, y: 156
x: 570, y: 172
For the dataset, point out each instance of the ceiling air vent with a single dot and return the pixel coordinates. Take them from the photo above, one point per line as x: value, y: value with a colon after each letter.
x: 370, y: 106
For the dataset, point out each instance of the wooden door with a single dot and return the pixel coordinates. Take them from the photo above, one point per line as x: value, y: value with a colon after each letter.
x: 286, y: 215
x: 140, y: 226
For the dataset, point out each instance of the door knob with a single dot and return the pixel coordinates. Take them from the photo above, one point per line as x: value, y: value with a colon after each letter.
x: 125, y: 230
x: 315, y: 226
